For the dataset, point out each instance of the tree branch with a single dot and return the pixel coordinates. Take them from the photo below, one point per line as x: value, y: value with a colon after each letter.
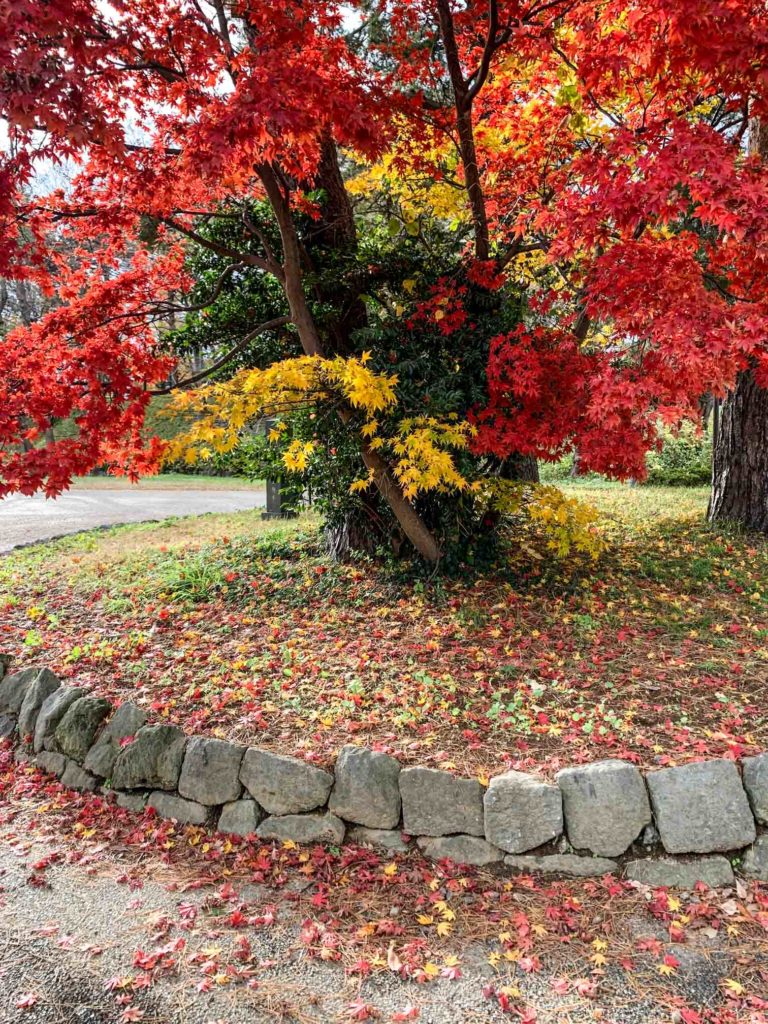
x: 172, y: 307
x: 224, y: 250
x: 492, y: 44
x: 279, y: 321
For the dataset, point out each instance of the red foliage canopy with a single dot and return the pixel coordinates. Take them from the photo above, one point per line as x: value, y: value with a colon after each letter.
x: 607, y: 136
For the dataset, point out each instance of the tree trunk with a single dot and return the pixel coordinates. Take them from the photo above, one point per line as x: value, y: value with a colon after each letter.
x: 411, y: 523
x: 524, y: 468
x: 740, y: 452
x: 740, y: 458
x: 466, y: 131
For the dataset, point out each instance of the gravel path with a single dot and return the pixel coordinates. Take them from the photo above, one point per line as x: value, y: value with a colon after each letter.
x: 28, y: 520
x: 73, y: 941
x: 71, y: 982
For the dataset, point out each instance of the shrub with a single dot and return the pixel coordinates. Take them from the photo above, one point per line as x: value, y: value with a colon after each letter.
x: 685, y: 459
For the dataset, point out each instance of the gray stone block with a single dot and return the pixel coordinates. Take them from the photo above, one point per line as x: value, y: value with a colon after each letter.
x: 51, y: 761
x: 303, y: 828
x: 366, y: 790
x: 51, y: 713
x: 383, y: 838
x: 5, y: 662
x: 756, y: 785
x: 680, y: 874
x: 75, y: 778
x: 755, y: 862
x: 7, y: 726
x: 605, y: 805
x: 522, y: 812
x: 460, y: 849
x: 701, y: 807
x: 152, y: 761
x: 562, y: 864
x: 284, y: 785
x: 210, y: 772
x: 39, y: 689
x: 185, y: 812
x: 437, y: 803
x: 13, y: 688
x: 80, y: 725
x: 126, y: 722
x: 240, y: 817
x: 132, y: 801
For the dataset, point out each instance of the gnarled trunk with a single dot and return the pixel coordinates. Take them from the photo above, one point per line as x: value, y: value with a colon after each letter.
x: 740, y: 458
x: 411, y: 523
x: 524, y: 468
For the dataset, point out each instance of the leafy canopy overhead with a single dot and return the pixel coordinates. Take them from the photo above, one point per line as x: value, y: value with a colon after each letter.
x: 568, y: 184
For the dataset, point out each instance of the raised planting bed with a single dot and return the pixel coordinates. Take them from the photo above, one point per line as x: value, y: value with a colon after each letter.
x: 675, y: 826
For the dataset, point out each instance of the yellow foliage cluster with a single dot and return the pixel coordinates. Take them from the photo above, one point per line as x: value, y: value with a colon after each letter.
x: 422, y: 454
x: 416, y: 192
x: 297, y: 455
x: 221, y: 411
x: 421, y: 451
x: 569, y: 524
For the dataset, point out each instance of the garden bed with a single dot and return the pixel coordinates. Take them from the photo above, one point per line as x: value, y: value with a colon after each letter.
x: 657, y: 653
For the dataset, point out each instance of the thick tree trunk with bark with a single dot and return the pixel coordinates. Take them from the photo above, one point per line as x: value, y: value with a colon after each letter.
x: 524, y: 468
x: 740, y: 463
x: 740, y: 456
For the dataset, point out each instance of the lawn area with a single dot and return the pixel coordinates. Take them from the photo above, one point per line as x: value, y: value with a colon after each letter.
x: 168, y: 482
x: 658, y: 652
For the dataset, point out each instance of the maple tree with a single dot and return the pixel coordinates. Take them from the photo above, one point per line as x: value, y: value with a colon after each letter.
x: 601, y: 230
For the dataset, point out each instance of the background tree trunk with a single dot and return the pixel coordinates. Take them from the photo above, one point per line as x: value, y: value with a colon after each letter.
x: 740, y: 458
x: 524, y: 468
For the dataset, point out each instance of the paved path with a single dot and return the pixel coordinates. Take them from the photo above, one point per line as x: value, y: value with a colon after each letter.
x: 26, y: 520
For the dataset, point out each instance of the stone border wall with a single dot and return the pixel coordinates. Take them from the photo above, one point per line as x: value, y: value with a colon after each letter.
x: 595, y: 819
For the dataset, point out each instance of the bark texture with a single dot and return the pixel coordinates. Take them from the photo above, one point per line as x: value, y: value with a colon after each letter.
x: 740, y: 457
x: 524, y: 468
x: 740, y: 464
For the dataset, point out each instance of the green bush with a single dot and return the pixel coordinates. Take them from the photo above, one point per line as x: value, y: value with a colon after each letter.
x: 685, y: 460
x: 551, y: 472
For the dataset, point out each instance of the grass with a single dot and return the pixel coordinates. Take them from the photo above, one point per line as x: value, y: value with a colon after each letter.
x: 226, y: 624
x: 168, y: 482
